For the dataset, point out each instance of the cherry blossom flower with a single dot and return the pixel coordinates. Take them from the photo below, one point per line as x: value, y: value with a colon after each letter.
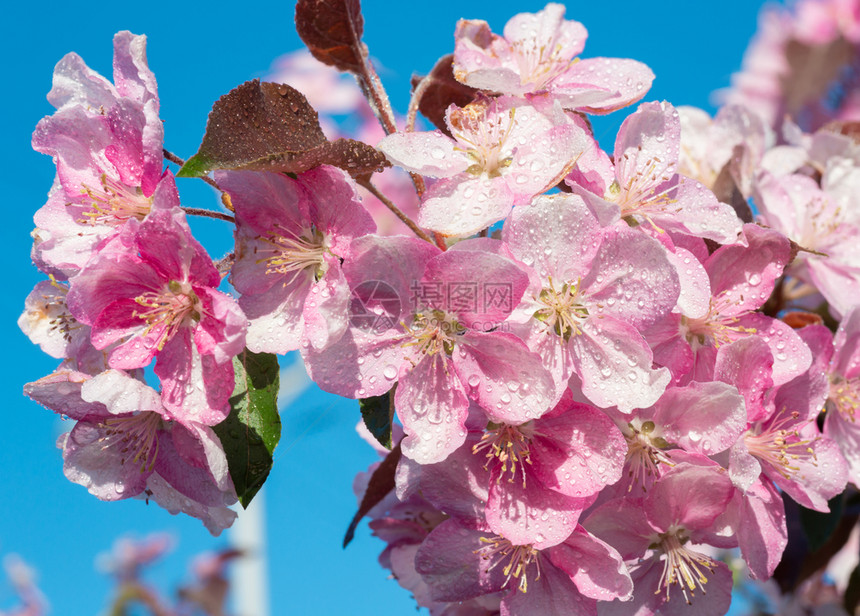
x: 150, y: 302
x: 439, y: 343
x: 503, y: 153
x: 741, y: 278
x: 783, y: 443
x: 839, y: 358
x: 107, y: 143
x: 459, y: 561
x: 701, y: 418
x: 646, y: 187
x: 537, y: 54
x: 291, y: 236
x: 590, y: 289
x: 124, y: 439
x: 669, y: 576
x: 811, y: 217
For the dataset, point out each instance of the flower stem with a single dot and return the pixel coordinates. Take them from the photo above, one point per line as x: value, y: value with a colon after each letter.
x: 366, y: 183
x: 199, y: 211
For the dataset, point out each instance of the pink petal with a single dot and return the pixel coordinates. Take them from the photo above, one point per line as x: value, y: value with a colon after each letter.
x: 431, y: 403
x: 504, y: 377
x: 614, y: 364
x: 531, y: 514
x: 622, y: 82
x: 463, y: 205
x: 630, y: 279
x: 595, y: 567
x: 432, y: 153
x: 568, y: 239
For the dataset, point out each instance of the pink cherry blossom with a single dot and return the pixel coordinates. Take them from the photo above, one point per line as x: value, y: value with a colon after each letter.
x: 646, y: 187
x: 814, y: 219
x: 503, y: 153
x: 150, y: 302
x: 291, y: 236
x: 459, y: 561
x: 537, y: 54
x: 107, y: 143
x: 439, y: 345
x: 669, y: 576
x: 701, y: 418
x: 590, y: 289
x: 839, y: 359
x: 124, y: 436
x: 741, y: 278
x: 784, y: 444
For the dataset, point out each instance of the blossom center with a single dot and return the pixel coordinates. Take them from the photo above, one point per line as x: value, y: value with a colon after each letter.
x: 113, y: 203
x: 845, y: 395
x: 714, y: 329
x: 52, y: 308
x: 539, y: 62
x: 434, y: 331
x: 825, y: 227
x: 645, y: 193
x: 681, y: 565
x: 483, y: 138
x: 562, y: 313
x: 290, y: 253
x: 509, y: 446
x: 781, y: 445
x: 168, y: 310
x: 645, y: 452
x: 136, y: 436
x: 519, y: 559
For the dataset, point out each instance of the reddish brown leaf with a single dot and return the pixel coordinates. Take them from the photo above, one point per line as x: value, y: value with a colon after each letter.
x: 726, y: 190
x: 380, y: 484
x: 439, y: 89
x: 332, y: 31
x: 272, y: 127
x: 849, y: 129
x: 800, y: 319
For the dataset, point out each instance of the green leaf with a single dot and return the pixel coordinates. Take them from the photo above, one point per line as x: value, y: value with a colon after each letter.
x: 195, y: 167
x: 818, y: 526
x: 377, y: 413
x: 252, y: 430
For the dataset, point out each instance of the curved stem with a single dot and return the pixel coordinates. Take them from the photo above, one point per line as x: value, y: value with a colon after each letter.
x: 199, y: 211
x: 396, y: 210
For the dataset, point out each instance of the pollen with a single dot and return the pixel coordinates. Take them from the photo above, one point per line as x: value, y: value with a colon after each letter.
x: 509, y: 446
x: 520, y: 560
x: 113, y: 203
x: 168, y: 310
x: 562, y: 313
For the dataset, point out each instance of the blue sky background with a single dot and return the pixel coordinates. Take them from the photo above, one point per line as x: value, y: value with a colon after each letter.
x: 198, y: 52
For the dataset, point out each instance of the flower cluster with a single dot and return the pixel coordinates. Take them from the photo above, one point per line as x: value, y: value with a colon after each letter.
x: 592, y: 356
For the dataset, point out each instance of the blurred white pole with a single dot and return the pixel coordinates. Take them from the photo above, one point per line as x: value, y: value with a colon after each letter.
x: 250, y: 572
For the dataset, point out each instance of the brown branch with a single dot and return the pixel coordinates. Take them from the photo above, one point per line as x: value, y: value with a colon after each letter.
x: 396, y: 210
x: 199, y: 211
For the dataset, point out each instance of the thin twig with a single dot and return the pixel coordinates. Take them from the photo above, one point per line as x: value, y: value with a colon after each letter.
x: 376, y: 95
x: 178, y: 161
x: 397, y: 212
x: 415, y: 102
x: 199, y: 211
